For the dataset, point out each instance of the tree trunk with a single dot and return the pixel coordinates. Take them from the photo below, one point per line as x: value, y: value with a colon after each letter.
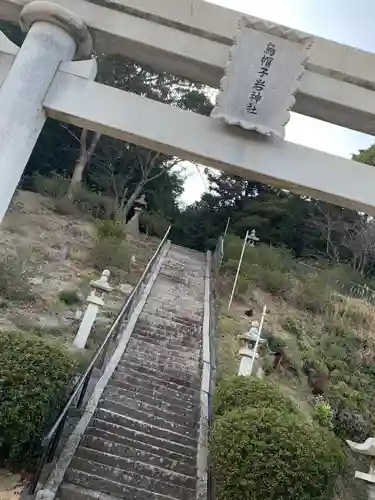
x: 129, y: 204
x: 83, y: 161
x: 76, y: 179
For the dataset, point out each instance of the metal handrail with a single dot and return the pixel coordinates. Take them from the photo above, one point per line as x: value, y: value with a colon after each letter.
x: 50, y: 441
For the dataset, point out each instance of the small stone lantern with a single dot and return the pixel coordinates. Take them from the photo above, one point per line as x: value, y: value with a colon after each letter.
x: 367, y: 448
x: 95, y: 301
x: 252, y: 238
x: 247, y: 352
x: 133, y: 225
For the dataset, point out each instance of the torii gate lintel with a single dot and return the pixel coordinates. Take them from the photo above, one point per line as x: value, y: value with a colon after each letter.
x: 56, y: 91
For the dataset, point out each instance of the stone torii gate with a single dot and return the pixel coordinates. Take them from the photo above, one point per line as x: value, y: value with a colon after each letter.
x: 190, y: 38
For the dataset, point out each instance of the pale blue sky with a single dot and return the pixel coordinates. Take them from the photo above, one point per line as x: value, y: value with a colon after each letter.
x: 345, y: 21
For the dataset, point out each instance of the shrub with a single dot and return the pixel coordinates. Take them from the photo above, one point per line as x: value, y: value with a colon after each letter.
x: 69, y: 297
x: 154, y: 224
x: 64, y: 206
x: 272, y: 281
x: 312, y: 294
x: 241, y: 392
x: 261, y: 453
x: 110, y: 253
x: 55, y: 185
x: 110, y: 229
x: 269, y: 257
x: 95, y: 204
x: 35, y: 377
x: 350, y: 424
x: 293, y: 326
x: 14, y: 279
x: 265, y: 256
x: 323, y: 412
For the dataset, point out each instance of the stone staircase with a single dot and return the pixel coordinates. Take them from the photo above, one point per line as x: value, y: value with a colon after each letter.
x: 142, y: 440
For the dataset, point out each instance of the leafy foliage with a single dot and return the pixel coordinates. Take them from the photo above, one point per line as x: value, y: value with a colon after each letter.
x: 323, y: 412
x: 260, y: 452
x: 154, y: 224
x: 69, y: 297
x: 110, y: 229
x: 110, y: 250
x: 55, y: 185
x: 241, y: 392
x: 35, y: 377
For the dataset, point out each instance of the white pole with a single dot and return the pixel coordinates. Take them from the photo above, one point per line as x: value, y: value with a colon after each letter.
x: 55, y: 35
x: 226, y: 228
x: 238, y: 270
x: 258, y: 338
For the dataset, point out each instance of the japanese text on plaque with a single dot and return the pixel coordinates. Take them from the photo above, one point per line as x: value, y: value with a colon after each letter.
x: 260, y: 83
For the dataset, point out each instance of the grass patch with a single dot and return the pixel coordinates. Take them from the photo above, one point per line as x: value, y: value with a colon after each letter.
x: 14, y: 279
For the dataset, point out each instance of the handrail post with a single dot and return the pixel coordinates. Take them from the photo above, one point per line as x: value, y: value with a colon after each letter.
x: 56, y: 439
x: 42, y: 461
x: 84, y: 388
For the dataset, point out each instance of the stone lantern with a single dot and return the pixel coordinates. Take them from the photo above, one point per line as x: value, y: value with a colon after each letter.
x: 368, y: 449
x: 248, y: 353
x: 133, y: 224
x: 95, y: 301
x: 252, y: 238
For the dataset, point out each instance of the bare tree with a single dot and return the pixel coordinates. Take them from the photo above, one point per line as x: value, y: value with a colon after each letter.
x: 147, y: 165
x: 327, y: 221
x: 150, y: 165
x: 348, y: 236
x: 85, y: 155
x: 359, y: 240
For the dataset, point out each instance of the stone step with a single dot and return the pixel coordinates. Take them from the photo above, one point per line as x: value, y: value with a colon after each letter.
x: 183, y: 308
x: 165, y: 333
x: 69, y: 491
x: 155, y: 457
x: 160, y: 393
x: 189, y: 384
x: 129, y: 478
x: 174, y: 338
x: 138, y: 379
x: 123, y: 396
x: 115, y: 489
x: 165, y: 328
x: 181, y: 352
x: 142, y: 468
x: 165, y: 423
x: 164, y: 365
x: 137, y: 347
x: 145, y: 427
x: 187, y: 320
x: 188, y: 419
x: 154, y: 319
x: 141, y: 441
x: 168, y: 347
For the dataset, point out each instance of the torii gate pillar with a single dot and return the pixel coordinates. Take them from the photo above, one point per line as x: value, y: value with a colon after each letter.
x: 54, y: 35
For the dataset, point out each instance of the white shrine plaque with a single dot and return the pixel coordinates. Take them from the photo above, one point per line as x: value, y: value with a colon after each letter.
x: 262, y: 76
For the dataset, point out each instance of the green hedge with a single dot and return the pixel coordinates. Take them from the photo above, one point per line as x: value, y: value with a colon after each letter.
x: 35, y: 377
x: 241, y: 392
x: 262, y: 453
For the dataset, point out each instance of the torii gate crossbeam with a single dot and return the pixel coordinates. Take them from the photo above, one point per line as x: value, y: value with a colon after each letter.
x: 193, y: 137
x: 191, y: 38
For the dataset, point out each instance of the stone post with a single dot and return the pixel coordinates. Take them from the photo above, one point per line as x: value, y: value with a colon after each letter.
x: 248, y: 353
x: 133, y: 224
x: 367, y: 448
x: 95, y: 301
x: 55, y: 34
